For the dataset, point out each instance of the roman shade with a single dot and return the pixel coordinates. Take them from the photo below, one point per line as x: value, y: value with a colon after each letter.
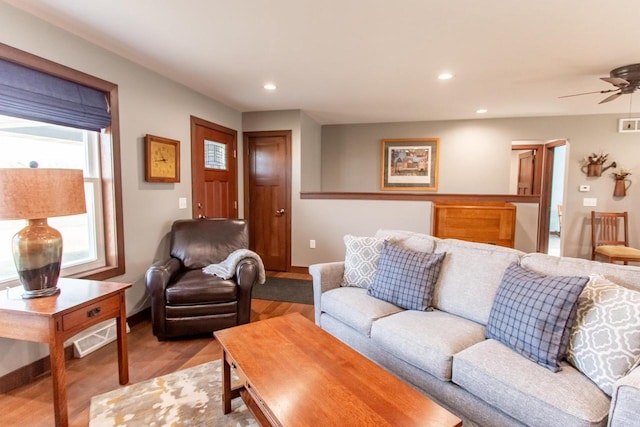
x: 34, y: 95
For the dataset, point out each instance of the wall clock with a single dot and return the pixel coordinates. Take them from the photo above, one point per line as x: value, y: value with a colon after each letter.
x: 161, y: 159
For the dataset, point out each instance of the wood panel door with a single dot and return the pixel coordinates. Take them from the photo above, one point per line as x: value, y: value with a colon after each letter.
x: 526, y: 167
x: 214, y: 180
x: 267, y: 166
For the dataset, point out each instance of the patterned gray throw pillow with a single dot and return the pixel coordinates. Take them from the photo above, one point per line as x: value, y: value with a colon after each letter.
x: 533, y: 314
x: 361, y: 260
x: 605, y: 342
x: 406, y: 278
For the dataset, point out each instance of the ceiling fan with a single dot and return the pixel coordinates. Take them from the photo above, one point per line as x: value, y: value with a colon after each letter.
x: 626, y: 79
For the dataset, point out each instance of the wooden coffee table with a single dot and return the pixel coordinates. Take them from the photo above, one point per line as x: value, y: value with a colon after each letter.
x: 293, y: 373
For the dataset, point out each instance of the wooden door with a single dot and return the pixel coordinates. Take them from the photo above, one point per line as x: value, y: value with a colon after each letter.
x: 526, y: 168
x: 213, y: 170
x: 267, y: 166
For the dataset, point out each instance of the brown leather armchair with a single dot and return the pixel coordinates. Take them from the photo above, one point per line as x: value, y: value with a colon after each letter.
x: 184, y: 300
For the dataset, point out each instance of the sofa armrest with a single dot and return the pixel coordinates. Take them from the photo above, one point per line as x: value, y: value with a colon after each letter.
x: 325, y: 276
x: 247, y: 274
x: 158, y: 276
x: 625, y: 401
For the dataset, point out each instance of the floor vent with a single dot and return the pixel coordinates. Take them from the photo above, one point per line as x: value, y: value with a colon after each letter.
x: 93, y: 339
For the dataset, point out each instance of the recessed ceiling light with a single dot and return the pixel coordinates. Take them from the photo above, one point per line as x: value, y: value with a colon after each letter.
x: 270, y: 86
x: 481, y: 110
x: 445, y: 76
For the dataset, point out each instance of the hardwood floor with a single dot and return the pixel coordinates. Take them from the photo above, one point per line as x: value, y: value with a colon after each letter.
x: 97, y: 373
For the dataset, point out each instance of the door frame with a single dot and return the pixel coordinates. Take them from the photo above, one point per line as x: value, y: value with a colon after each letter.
x: 195, y: 183
x: 544, y: 208
x: 287, y: 134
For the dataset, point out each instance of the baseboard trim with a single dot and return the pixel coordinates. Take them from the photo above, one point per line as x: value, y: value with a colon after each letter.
x: 30, y: 372
x: 301, y: 270
x: 33, y: 370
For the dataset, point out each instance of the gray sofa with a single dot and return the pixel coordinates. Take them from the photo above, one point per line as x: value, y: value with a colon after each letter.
x: 444, y: 352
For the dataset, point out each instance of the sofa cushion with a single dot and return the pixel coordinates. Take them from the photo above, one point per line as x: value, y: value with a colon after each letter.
x: 408, y: 239
x: 355, y: 308
x: 526, y: 391
x: 605, y: 341
x: 426, y: 339
x: 405, y: 278
x: 533, y: 314
x: 361, y: 260
x: 194, y: 287
x: 624, y: 275
x: 470, y: 277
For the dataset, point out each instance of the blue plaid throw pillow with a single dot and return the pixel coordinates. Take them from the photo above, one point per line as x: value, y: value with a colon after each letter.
x: 533, y: 314
x: 406, y: 278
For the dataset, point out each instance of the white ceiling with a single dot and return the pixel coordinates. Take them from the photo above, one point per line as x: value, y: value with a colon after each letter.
x: 357, y: 61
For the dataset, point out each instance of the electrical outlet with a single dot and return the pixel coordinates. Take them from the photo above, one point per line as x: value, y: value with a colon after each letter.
x: 589, y: 201
x: 312, y: 244
x: 182, y: 203
x: 585, y: 188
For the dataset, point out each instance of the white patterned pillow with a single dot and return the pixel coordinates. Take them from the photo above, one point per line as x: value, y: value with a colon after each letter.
x: 605, y: 341
x: 361, y: 260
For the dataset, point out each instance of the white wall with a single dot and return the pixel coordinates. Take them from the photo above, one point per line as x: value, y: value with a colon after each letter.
x: 149, y: 103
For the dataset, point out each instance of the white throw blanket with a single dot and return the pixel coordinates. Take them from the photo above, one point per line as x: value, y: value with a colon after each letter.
x: 227, y: 268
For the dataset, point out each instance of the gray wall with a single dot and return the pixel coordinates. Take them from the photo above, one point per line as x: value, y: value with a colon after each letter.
x: 149, y: 103
x: 475, y: 158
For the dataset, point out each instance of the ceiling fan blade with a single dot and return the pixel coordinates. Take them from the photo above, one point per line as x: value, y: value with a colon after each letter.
x: 610, y: 98
x: 616, y: 81
x: 588, y: 93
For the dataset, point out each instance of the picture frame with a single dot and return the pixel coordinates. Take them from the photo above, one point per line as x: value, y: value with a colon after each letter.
x: 409, y: 164
x: 161, y: 159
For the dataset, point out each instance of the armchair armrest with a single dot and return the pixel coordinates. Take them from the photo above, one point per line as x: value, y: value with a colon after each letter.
x: 156, y: 280
x: 325, y: 276
x: 625, y: 401
x: 247, y: 274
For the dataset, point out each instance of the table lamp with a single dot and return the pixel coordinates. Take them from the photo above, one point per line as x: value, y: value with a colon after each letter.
x: 35, y: 195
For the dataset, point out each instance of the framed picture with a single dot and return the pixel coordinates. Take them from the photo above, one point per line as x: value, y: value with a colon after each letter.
x: 409, y: 164
x: 161, y: 159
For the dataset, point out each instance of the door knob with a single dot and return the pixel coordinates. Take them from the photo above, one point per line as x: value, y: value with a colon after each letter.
x: 280, y: 212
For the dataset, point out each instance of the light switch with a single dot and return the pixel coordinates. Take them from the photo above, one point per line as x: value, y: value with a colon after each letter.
x: 589, y: 201
x: 585, y: 188
x: 182, y: 203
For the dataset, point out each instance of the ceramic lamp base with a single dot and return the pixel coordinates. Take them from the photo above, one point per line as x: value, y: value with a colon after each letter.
x: 37, y: 251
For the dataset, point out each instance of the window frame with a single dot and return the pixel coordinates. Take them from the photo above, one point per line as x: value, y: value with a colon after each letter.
x: 109, y: 151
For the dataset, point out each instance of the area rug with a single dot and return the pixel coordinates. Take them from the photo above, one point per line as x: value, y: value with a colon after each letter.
x: 287, y: 290
x: 191, y: 397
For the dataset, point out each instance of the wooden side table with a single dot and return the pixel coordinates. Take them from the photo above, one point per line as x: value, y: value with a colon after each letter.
x: 53, y: 320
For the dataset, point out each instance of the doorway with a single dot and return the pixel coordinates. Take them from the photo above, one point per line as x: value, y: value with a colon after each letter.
x: 214, y: 180
x: 538, y: 169
x: 556, y: 202
x: 267, y: 203
x: 553, y: 183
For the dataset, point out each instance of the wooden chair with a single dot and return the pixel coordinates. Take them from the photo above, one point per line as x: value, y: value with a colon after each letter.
x: 610, y: 237
x: 559, y: 219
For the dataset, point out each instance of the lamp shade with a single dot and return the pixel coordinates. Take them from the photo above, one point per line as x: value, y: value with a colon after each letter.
x: 41, y: 193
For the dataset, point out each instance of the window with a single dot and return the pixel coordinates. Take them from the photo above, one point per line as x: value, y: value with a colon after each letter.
x: 23, y: 142
x: 93, y: 244
x: 215, y: 155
